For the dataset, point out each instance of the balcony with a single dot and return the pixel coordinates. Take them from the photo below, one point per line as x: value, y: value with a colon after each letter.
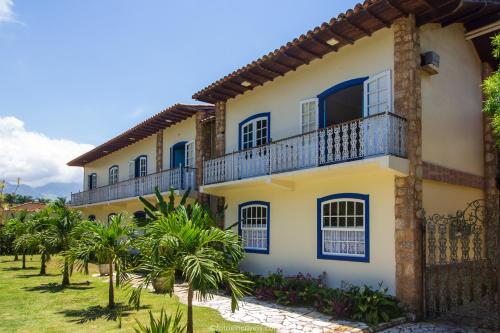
x: 179, y: 179
x: 377, y: 135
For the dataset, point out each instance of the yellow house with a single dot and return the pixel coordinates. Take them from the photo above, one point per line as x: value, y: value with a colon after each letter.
x: 332, y: 148
x: 162, y: 151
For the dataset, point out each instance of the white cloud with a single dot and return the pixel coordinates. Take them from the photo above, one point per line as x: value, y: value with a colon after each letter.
x: 36, y: 158
x: 6, y: 11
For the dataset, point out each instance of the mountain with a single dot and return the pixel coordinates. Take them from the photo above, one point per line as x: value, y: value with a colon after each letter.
x: 50, y: 191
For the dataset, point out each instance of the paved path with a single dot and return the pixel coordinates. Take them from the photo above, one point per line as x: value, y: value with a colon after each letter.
x: 432, y: 328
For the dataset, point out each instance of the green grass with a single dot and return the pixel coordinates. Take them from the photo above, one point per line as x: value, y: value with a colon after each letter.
x: 33, y: 303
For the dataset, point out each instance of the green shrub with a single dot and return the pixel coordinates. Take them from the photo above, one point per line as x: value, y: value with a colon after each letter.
x: 164, y: 324
x: 373, y: 306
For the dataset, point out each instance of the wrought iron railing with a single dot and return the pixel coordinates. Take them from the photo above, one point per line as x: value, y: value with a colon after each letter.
x: 381, y: 134
x: 179, y: 179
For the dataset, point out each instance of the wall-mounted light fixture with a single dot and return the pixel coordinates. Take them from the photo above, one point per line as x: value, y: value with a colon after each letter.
x: 429, y: 61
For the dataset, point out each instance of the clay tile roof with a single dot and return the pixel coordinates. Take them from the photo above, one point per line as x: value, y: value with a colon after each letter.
x: 28, y: 206
x: 164, y: 119
x: 362, y: 20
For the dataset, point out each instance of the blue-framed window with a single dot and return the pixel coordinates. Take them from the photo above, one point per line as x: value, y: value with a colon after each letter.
x: 141, y: 166
x: 254, y: 226
x: 113, y: 174
x: 178, y: 155
x: 343, y: 227
x: 92, y: 181
x: 254, y: 130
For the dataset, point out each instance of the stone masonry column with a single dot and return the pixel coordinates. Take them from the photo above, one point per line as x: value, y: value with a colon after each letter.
x: 220, y: 146
x: 202, y: 147
x: 408, y: 190
x: 491, y: 194
x: 159, y: 151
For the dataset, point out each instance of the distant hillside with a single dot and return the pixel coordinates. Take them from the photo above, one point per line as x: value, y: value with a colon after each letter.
x: 50, y: 191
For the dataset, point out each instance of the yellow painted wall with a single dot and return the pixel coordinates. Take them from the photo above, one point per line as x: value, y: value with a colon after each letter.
x: 282, y: 96
x: 121, y: 158
x: 451, y: 101
x: 183, y: 131
x: 442, y: 198
x: 293, y: 245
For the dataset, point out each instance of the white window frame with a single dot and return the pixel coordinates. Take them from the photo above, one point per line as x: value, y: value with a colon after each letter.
x: 347, y: 234
x: 301, y: 124
x: 189, y: 148
x: 143, y: 167
x: 388, y: 92
x: 253, y: 122
x: 244, y: 228
x: 113, y: 175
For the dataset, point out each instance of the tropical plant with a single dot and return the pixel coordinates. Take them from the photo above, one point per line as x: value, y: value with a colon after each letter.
x: 15, y: 228
x: 491, y: 88
x: 40, y: 238
x: 164, y: 324
x: 373, y: 305
x: 108, y: 242
x: 206, y: 256
x: 61, y: 225
x: 162, y: 207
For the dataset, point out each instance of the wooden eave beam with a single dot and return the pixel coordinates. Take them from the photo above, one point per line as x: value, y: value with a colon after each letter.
x: 236, y: 87
x: 340, y: 38
x: 295, y: 58
x: 318, y: 41
x: 310, y: 53
x: 397, y: 7
x: 263, y: 75
x: 378, y: 18
x: 217, y: 96
x: 357, y: 27
x: 270, y: 70
x: 252, y: 81
x: 220, y: 90
x: 282, y: 64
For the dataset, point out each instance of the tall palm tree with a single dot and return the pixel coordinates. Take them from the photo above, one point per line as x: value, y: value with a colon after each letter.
x: 40, y: 237
x: 62, y: 223
x: 108, y: 242
x: 189, y: 243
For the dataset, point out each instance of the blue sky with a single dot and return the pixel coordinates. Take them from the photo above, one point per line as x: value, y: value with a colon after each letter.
x: 87, y: 70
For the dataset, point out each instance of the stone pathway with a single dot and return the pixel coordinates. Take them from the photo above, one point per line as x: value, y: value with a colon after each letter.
x: 432, y: 328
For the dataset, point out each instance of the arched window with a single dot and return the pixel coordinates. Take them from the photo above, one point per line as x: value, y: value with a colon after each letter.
x: 110, y: 216
x: 91, y: 217
x: 255, y: 130
x: 254, y: 226
x: 343, y: 227
x: 113, y: 175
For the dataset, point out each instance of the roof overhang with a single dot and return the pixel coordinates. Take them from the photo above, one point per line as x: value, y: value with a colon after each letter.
x: 361, y: 21
x: 159, y: 121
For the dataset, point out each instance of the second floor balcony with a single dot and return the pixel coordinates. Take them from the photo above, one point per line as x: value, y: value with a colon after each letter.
x: 377, y: 135
x: 178, y: 178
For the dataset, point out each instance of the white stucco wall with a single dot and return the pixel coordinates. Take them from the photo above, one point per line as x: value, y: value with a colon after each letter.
x: 282, y: 96
x: 451, y: 101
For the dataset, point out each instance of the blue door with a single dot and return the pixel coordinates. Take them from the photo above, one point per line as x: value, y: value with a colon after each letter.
x: 178, y: 155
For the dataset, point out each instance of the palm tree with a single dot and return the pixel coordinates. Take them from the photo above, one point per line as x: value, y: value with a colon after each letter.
x: 16, y: 227
x: 40, y: 237
x: 206, y: 256
x: 108, y: 242
x: 62, y: 223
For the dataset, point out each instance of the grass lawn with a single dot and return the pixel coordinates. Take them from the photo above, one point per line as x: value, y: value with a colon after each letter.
x: 33, y: 303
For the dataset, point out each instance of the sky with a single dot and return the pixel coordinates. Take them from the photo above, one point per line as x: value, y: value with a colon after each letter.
x: 74, y: 74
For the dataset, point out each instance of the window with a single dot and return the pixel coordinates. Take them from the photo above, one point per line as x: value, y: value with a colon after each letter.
x: 190, y: 160
x: 91, y: 217
x: 377, y: 94
x: 141, y: 166
x: 92, y: 181
x: 113, y: 175
x: 254, y: 226
x: 343, y: 227
x: 309, y: 115
x: 254, y: 131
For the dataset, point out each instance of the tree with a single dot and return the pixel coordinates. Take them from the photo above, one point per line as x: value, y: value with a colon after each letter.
x: 108, y: 242
x: 61, y: 225
x: 491, y: 88
x: 206, y: 256
x: 15, y: 228
x: 39, y: 237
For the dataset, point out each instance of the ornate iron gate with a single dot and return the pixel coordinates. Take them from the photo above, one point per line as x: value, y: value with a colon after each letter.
x: 460, y: 266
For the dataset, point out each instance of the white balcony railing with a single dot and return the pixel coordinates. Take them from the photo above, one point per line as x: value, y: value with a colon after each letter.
x: 179, y: 179
x: 381, y: 134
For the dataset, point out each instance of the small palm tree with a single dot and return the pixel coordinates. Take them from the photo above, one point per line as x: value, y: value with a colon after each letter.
x: 41, y: 238
x: 15, y: 229
x: 61, y: 225
x: 108, y: 242
x: 206, y: 256
x: 164, y: 324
